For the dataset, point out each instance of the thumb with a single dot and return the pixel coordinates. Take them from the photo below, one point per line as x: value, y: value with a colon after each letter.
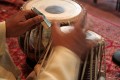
x: 55, y: 28
x: 33, y: 21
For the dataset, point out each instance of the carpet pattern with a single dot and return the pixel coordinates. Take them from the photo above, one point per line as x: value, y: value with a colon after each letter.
x: 110, y: 32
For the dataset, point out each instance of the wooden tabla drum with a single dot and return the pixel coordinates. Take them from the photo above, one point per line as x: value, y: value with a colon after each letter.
x: 36, y: 43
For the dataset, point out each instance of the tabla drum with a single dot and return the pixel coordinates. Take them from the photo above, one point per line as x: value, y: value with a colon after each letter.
x: 36, y: 43
x: 62, y: 11
x: 94, y: 68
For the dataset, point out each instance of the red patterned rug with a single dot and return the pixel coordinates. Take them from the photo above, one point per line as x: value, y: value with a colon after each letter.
x: 109, y: 31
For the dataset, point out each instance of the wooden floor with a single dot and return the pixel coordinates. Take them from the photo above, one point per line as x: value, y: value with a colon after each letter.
x: 104, y: 9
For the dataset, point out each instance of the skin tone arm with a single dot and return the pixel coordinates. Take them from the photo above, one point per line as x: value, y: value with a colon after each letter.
x: 17, y: 3
x: 75, y: 40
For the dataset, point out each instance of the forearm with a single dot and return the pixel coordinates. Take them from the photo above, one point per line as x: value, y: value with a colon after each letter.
x: 62, y: 65
x: 10, y: 1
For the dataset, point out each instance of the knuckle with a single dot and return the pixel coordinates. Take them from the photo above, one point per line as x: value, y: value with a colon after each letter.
x: 34, y: 20
x: 37, y: 19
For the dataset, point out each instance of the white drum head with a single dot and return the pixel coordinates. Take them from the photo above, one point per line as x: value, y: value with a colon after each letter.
x: 93, y: 36
x: 58, y: 10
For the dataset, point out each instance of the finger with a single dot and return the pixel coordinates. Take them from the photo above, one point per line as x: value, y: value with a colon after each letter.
x: 79, y: 31
x: 29, y: 14
x: 37, y: 68
x: 32, y: 21
x: 55, y: 28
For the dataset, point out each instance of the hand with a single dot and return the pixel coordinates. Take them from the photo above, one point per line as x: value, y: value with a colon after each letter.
x: 23, y: 21
x: 19, y: 3
x: 75, y: 40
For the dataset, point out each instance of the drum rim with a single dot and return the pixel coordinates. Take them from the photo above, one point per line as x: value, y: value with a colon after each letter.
x: 82, y: 12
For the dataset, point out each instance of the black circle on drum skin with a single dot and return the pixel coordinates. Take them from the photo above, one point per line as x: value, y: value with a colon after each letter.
x: 54, y: 9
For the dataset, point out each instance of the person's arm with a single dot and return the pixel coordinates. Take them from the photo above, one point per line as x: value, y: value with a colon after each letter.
x: 17, y: 3
x: 10, y: 1
x: 14, y: 26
